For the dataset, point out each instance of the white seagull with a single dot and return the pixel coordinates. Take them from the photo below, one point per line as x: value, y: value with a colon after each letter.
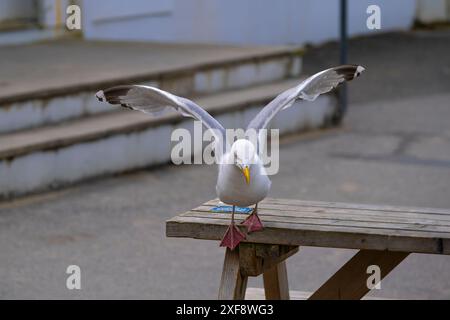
x: 242, y: 180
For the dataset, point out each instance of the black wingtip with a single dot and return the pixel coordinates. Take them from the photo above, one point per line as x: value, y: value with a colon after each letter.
x: 359, y: 70
x: 349, y: 71
x: 100, y: 96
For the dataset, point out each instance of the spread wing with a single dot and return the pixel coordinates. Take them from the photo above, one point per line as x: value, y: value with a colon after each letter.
x: 309, y: 89
x: 155, y: 101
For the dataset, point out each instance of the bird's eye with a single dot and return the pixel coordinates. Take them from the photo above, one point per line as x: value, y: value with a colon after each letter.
x: 236, y: 159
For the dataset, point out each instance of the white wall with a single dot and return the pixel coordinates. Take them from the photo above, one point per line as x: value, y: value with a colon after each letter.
x: 429, y: 11
x: 13, y: 9
x: 236, y: 21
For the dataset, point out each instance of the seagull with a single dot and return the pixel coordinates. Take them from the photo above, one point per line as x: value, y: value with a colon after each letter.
x: 242, y: 180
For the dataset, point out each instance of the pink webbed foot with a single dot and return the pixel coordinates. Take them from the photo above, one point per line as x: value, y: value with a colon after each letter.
x: 232, y: 237
x: 252, y: 222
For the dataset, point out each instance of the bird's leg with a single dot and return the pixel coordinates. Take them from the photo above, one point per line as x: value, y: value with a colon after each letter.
x: 253, y: 223
x: 233, y: 235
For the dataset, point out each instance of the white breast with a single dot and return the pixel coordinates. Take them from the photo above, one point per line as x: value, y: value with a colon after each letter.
x: 232, y: 189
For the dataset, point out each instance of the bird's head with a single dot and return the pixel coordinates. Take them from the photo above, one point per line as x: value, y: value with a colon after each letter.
x: 244, y: 155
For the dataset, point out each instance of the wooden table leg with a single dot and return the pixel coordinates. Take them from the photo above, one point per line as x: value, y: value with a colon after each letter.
x: 350, y: 282
x: 233, y: 284
x: 251, y: 259
x: 276, y: 282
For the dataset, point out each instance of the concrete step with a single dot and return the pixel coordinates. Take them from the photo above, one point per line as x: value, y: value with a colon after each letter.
x: 60, y: 85
x: 51, y: 156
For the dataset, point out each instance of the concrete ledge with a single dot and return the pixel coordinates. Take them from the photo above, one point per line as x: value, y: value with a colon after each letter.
x: 68, y: 101
x: 123, y: 121
x: 41, y: 158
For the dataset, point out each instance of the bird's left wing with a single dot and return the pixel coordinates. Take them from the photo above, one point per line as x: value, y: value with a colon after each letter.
x: 309, y: 89
x: 155, y: 101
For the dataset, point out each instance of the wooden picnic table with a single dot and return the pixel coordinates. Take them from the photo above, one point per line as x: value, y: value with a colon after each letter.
x: 384, y: 235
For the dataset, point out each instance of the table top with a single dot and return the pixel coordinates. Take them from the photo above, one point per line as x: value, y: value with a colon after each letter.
x: 327, y: 224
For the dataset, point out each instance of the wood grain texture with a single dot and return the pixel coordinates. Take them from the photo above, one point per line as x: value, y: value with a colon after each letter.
x: 232, y: 284
x: 328, y: 224
x: 276, y: 285
x: 350, y: 281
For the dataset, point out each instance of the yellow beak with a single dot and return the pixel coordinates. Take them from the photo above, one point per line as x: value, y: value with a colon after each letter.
x: 246, y: 173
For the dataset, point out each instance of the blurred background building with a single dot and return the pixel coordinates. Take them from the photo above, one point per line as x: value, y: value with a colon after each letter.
x: 209, y: 21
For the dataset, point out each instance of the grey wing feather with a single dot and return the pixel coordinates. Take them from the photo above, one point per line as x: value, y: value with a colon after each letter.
x: 155, y: 101
x: 309, y: 89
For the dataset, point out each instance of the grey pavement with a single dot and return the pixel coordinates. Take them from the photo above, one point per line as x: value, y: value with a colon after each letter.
x: 392, y: 149
x: 399, y: 65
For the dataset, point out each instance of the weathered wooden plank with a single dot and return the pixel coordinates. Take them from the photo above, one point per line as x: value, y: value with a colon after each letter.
x: 360, y: 207
x: 406, y: 217
x: 232, y: 284
x: 332, y: 221
x: 283, y: 226
x: 299, y: 227
x: 341, y: 205
x: 266, y: 218
x: 335, y: 237
x: 276, y: 285
x: 264, y: 212
x: 350, y: 282
x: 290, y: 209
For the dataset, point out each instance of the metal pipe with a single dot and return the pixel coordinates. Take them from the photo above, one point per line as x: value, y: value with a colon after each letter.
x: 342, y: 109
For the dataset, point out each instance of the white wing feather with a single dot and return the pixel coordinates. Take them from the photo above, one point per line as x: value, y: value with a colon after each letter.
x: 309, y: 89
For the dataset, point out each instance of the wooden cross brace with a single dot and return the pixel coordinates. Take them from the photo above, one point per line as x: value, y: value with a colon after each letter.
x: 251, y: 260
